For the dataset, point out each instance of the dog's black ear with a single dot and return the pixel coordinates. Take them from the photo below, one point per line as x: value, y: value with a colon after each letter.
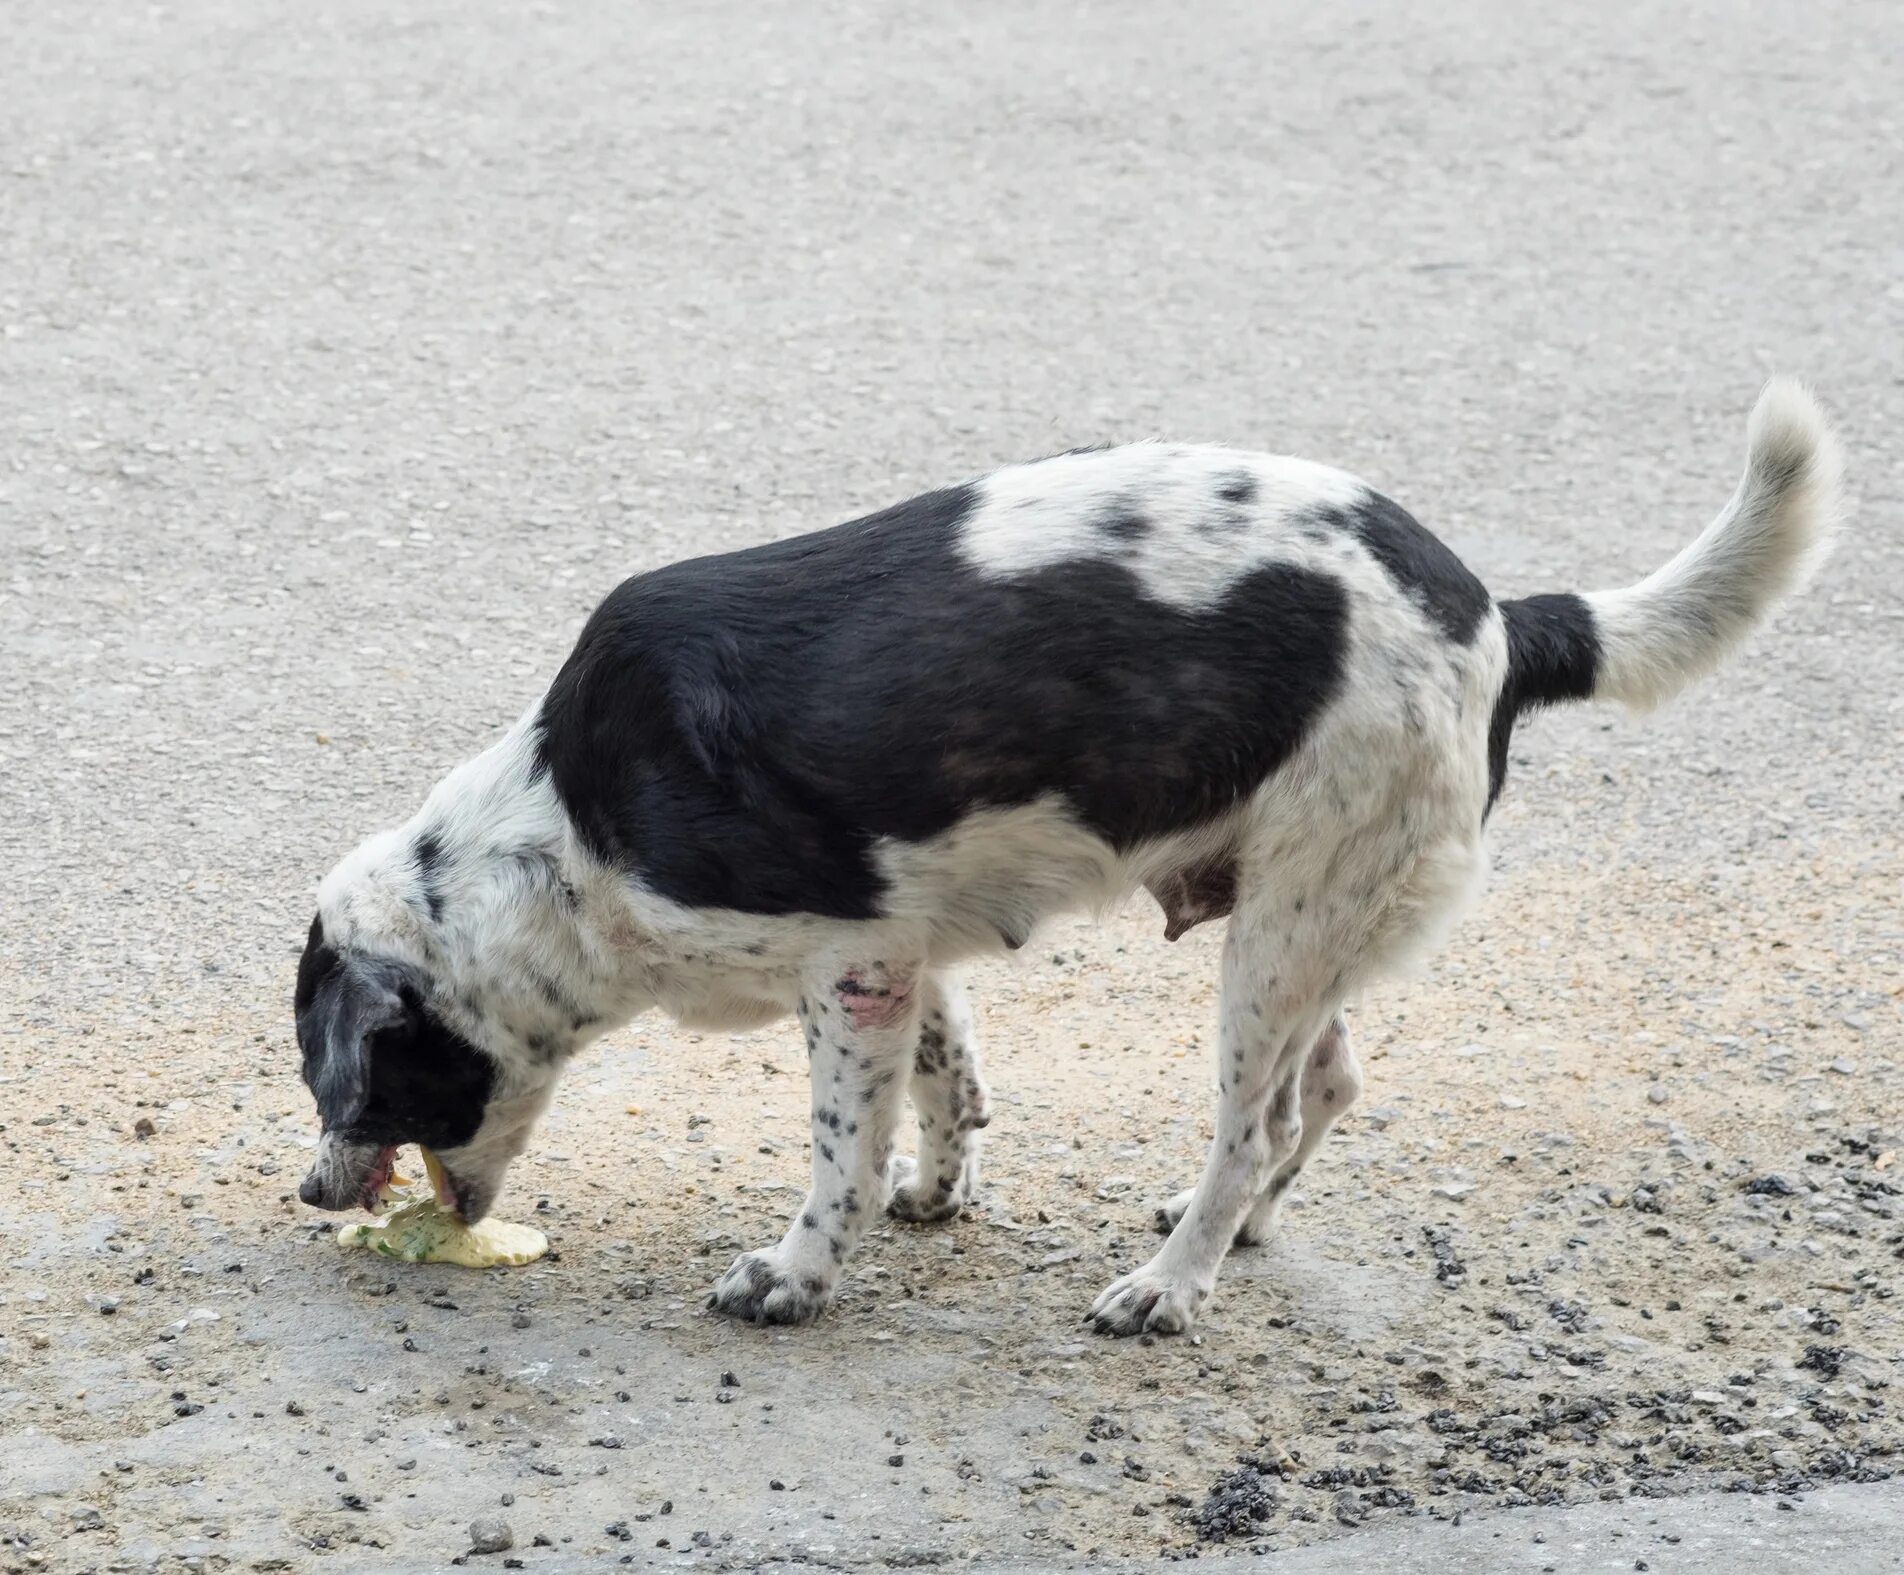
x: 343, y: 1002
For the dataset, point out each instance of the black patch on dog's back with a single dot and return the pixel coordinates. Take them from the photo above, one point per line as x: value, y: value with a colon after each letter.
x: 1419, y: 562
x: 1553, y: 654
x: 741, y: 730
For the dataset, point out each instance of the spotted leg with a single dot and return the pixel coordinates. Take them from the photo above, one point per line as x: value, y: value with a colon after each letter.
x: 1270, y: 1014
x: 1331, y: 1083
x: 949, y: 1095
x: 861, y: 1027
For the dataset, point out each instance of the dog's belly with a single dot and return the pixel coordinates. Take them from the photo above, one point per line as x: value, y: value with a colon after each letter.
x: 991, y: 879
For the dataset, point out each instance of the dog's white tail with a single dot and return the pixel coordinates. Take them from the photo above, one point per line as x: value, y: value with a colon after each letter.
x: 1643, y: 644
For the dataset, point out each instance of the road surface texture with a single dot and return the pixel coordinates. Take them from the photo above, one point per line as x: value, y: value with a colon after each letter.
x: 352, y: 351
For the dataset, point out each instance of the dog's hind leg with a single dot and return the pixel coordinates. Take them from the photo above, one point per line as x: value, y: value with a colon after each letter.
x: 1278, y: 993
x: 948, y: 1092
x: 1331, y: 1083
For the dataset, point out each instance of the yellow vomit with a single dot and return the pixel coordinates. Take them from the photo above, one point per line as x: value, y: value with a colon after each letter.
x: 418, y: 1229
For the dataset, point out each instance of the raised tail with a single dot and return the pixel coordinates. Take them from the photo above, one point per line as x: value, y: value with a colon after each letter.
x: 1643, y: 644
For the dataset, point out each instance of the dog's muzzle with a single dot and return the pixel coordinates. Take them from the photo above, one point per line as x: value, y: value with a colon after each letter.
x: 346, y: 1175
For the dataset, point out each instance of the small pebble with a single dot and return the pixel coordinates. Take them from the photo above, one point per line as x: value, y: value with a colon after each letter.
x: 490, y: 1535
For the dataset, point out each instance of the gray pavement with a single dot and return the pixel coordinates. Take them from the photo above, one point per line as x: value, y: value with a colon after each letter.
x: 350, y: 351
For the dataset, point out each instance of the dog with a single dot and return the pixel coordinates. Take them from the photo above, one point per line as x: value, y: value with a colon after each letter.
x: 815, y: 776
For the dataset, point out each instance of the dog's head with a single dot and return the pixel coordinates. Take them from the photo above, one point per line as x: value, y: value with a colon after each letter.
x: 386, y: 1069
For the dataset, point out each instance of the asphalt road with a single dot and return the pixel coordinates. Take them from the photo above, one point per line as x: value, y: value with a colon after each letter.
x: 350, y: 352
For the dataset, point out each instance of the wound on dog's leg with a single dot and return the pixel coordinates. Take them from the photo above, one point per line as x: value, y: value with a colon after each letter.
x: 875, y: 997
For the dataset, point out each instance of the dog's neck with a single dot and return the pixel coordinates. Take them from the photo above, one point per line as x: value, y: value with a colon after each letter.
x: 525, y: 939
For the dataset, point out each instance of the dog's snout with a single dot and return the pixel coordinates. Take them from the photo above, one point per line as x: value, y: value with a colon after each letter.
x: 311, y: 1190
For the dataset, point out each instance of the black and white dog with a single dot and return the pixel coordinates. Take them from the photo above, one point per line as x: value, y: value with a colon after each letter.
x: 813, y: 777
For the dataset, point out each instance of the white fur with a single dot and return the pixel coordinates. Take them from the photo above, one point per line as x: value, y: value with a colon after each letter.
x: 1681, y: 622
x: 1032, y: 516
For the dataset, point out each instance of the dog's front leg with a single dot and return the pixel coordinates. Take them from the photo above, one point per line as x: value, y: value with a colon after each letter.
x: 861, y: 1026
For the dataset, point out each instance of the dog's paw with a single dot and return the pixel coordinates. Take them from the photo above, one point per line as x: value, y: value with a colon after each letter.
x: 1146, y: 1302
x: 759, y: 1288
x: 920, y: 1201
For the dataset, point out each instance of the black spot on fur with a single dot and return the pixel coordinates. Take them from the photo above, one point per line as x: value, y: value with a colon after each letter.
x: 429, y: 867
x: 1124, y: 522
x: 745, y: 729
x: 1239, y: 488
x: 1553, y: 654
x: 1418, y: 561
